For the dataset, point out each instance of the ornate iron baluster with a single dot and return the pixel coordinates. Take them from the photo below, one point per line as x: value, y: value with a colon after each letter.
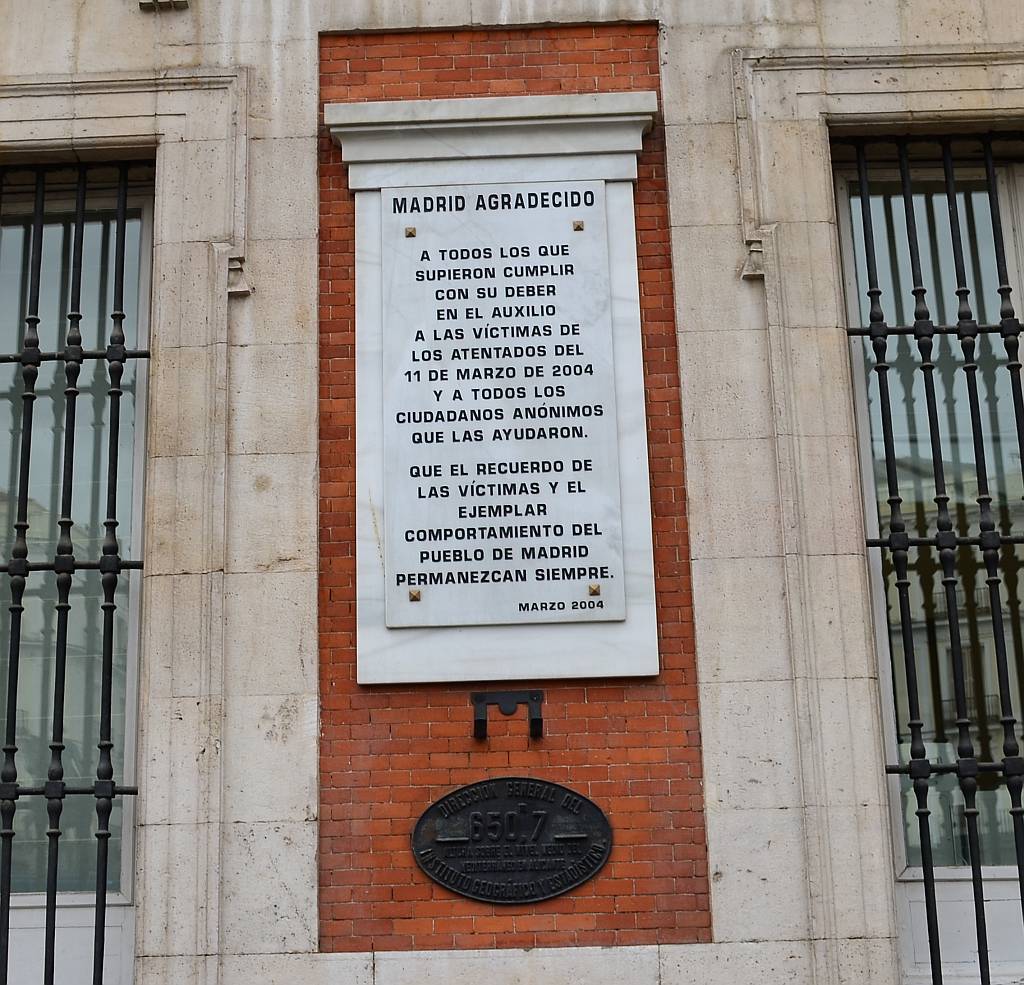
x: 990, y: 542
x: 920, y: 767
x: 18, y: 566
x: 110, y: 567
x: 64, y: 566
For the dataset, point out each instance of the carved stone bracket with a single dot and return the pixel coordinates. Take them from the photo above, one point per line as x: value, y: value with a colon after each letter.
x: 238, y: 283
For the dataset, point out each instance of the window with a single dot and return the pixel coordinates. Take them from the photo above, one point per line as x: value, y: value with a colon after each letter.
x: 74, y: 300
x: 935, y: 347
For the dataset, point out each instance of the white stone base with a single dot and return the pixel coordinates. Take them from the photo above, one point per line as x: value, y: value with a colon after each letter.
x: 749, y: 963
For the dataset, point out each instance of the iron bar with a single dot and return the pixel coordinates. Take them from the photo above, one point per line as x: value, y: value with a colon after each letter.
x: 920, y: 767
x: 64, y: 565
x: 18, y: 564
x: 110, y: 566
x: 966, y: 760
x: 87, y: 354
x: 950, y: 330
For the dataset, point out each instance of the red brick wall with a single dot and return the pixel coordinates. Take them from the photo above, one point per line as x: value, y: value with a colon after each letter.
x: 633, y: 746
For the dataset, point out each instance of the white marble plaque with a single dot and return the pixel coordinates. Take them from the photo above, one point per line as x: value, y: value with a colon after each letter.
x: 501, y: 460
x: 478, y: 631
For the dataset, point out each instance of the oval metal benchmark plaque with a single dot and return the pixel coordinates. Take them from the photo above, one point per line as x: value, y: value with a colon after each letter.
x: 512, y: 840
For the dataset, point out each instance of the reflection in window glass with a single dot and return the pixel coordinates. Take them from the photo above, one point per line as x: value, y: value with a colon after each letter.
x: 77, y: 871
x: 917, y: 487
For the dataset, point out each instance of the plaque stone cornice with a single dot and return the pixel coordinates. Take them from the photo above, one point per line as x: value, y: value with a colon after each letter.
x: 407, y: 142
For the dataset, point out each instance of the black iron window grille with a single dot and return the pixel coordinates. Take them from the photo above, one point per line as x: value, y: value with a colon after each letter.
x: 938, y: 342
x: 72, y: 270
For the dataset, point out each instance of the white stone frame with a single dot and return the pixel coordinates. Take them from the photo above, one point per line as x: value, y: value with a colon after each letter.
x: 489, y: 140
x: 785, y: 106
x: 193, y: 124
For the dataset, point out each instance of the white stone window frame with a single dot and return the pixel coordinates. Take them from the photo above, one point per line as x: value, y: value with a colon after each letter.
x: 487, y: 141
x: 786, y: 106
x: 192, y: 122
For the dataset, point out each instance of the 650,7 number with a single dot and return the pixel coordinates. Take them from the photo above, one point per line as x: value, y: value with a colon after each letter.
x: 505, y: 826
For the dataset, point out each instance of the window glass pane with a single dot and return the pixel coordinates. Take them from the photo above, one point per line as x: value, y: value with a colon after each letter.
x: 36, y: 670
x: 917, y: 487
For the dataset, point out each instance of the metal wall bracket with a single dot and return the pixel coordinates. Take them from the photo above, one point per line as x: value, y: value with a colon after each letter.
x: 507, y: 702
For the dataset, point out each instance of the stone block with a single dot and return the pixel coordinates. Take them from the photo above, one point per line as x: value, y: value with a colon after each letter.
x: 696, y: 72
x: 282, y: 201
x: 856, y: 855
x: 838, y: 639
x: 732, y: 489
x: 182, y: 290
x: 846, y: 721
x: 273, y: 399
x: 710, y: 293
x: 817, y: 366
x: 932, y: 22
x: 282, y: 307
x: 177, y: 514
x: 270, y: 758
x: 289, y: 969
x: 181, y: 400
x: 111, y: 25
x: 866, y: 959
x: 195, y: 200
x: 597, y: 966
x: 755, y: 963
x: 283, y: 96
x: 177, y: 872
x: 759, y: 893
x: 269, y: 887
x: 728, y: 390
x: 200, y: 969
x: 176, y: 617
x: 272, y: 523
x: 872, y: 22
x: 180, y: 752
x: 270, y: 641
x: 749, y: 744
x: 44, y: 42
x: 825, y: 513
x: 809, y: 274
x: 702, y: 172
x: 746, y: 639
x: 795, y: 176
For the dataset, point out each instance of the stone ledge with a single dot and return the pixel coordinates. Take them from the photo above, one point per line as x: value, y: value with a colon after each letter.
x: 491, y: 127
x: 490, y: 108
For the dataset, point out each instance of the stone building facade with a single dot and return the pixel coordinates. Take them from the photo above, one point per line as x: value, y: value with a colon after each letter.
x: 757, y: 835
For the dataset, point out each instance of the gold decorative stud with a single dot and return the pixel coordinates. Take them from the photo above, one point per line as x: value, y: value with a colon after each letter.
x: 414, y: 595
x: 577, y: 225
x: 594, y: 589
x: 410, y: 232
